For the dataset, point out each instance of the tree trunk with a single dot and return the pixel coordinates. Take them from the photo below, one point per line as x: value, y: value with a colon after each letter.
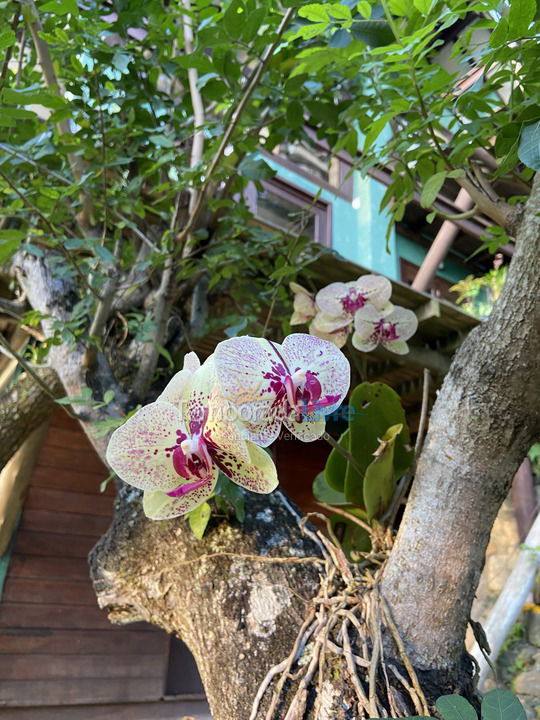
x: 483, y: 423
x: 23, y: 409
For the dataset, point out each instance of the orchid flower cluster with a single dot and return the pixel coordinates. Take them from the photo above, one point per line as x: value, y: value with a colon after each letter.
x: 220, y: 415
x: 362, y: 307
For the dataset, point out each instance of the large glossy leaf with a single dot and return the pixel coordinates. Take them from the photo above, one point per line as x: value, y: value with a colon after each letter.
x: 455, y: 707
x: 375, y: 408
x: 501, y: 704
x: 379, y: 481
x: 336, y: 465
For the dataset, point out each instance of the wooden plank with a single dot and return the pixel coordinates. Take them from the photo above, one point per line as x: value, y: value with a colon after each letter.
x: 56, y: 667
x: 45, y: 616
x: 15, y: 478
x: 39, y: 567
x: 69, y: 459
x: 52, y: 544
x: 30, y: 615
x: 115, y: 640
x: 62, y: 522
x: 68, y: 437
x: 78, y: 692
x: 58, y: 592
x: 58, y: 501
x: 171, y: 710
x: 70, y: 480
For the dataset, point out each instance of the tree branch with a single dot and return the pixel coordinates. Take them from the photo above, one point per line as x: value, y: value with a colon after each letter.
x: 233, y: 124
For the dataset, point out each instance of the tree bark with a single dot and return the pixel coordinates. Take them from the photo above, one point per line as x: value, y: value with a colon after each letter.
x: 483, y: 423
x: 237, y: 598
x: 23, y: 409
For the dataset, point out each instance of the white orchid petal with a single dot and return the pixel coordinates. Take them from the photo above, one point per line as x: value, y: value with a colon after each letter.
x: 140, y: 451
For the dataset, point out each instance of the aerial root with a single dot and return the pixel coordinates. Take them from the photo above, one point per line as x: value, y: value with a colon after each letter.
x: 345, y: 619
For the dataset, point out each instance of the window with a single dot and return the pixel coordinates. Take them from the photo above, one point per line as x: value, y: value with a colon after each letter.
x: 281, y: 206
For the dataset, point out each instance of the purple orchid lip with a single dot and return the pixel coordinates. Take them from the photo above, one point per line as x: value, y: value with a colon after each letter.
x: 352, y: 302
x: 182, y: 490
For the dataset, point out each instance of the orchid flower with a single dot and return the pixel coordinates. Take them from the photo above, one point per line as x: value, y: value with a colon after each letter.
x: 391, y: 329
x: 297, y: 383
x: 304, y: 305
x: 342, y: 300
x: 332, y: 329
x: 174, y: 448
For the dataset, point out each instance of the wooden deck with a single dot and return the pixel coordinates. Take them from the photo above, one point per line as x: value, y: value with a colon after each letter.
x: 56, y: 646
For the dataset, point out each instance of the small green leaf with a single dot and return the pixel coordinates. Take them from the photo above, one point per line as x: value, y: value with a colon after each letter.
x: 529, y: 146
x: 501, y: 704
x: 325, y: 494
x: 336, y: 465
x: 364, y: 8
x: 379, y: 480
x: 340, y: 39
x: 423, y: 6
x: 7, y: 38
x: 431, y: 189
x: 10, y: 241
x: 455, y: 707
x: 198, y: 519
x: 255, y: 168
x: 520, y: 16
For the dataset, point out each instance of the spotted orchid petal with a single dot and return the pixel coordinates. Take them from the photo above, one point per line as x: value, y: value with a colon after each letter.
x: 337, y: 337
x: 223, y: 430
x: 157, y: 505
x: 140, y: 451
x: 391, y: 329
x: 175, y: 391
x: 328, y: 299
x: 246, y: 370
x: 304, y: 378
x: 328, y: 372
x: 304, y: 305
x: 328, y: 323
x: 305, y: 431
x: 258, y: 474
x: 337, y: 299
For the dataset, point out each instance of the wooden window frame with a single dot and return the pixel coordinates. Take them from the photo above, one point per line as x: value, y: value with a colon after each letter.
x: 322, y: 210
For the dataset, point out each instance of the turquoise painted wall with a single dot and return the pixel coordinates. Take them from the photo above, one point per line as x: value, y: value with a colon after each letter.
x: 358, y: 229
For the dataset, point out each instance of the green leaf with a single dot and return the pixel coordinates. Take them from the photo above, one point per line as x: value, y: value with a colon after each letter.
x: 7, y: 38
x: 325, y: 494
x: 60, y: 7
x: 198, y: 519
x: 340, y: 39
x: 336, y: 465
x: 364, y: 8
x: 501, y: 704
x: 234, y: 18
x: 379, y: 480
x: 520, y: 16
x: 233, y: 494
x: 376, y: 408
x: 431, y: 189
x: 423, y: 6
x: 295, y: 114
x: 10, y: 241
x: 374, y: 33
x: 499, y: 35
x: 529, y: 146
x: 255, y: 168
x: 455, y: 707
